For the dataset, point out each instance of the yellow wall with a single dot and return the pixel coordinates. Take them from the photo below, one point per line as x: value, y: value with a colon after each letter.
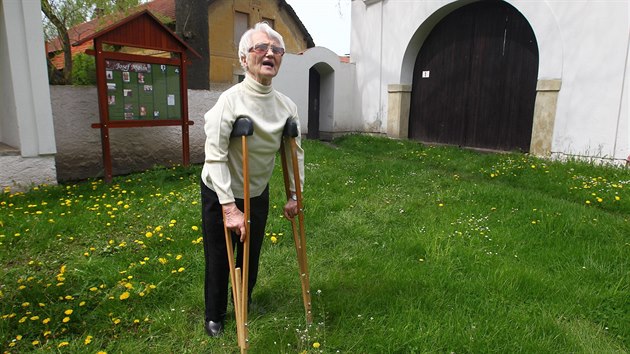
x: 224, y: 64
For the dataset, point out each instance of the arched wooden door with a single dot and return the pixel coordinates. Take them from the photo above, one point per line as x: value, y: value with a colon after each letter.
x: 474, y: 80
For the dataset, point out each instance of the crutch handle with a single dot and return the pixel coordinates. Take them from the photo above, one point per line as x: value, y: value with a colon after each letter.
x: 290, y: 128
x: 243, y: 126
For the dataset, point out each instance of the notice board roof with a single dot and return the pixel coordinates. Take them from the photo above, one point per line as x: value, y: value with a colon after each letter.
x: 142, y: 30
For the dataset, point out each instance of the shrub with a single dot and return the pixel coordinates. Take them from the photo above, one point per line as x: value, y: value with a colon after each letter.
x: 83, y: 70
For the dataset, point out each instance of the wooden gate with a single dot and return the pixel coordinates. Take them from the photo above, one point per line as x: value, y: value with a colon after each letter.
x: 474, y: 80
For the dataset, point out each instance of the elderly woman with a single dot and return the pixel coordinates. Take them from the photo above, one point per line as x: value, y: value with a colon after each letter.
x: 260, y: 53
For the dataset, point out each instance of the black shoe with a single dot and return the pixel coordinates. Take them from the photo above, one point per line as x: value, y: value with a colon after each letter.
x: 214, y: 329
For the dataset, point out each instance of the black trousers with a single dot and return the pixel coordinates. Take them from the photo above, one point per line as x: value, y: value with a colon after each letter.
x: 215, y: 250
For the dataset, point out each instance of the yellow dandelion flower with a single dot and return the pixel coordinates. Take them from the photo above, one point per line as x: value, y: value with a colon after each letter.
x: 23, y: 319
x: 46, y: 320
x: 116, y: 321
x: 101, y: 352
x: 149, y: 234
x: 63, y: 344
x: 124, y: 296
x: 68, y: 312
x: 181, y: 269
x: 34, y: 318
x: 274, y: 239
x: 93, y: 288
x: 66, y: 319
x: 35, y: 342
x: 163, y: 260
x: 26, y: 304
x: 195, y: 228
x: 82, y: 303
x: 178, y: 257
x: 87, y: 340
x: 316, y: 345
x: 18, y: 337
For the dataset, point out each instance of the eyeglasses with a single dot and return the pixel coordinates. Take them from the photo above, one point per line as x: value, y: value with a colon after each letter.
x: 263, y: 48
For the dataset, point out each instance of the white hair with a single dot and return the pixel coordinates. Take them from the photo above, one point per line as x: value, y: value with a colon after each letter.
x: 246, y: 40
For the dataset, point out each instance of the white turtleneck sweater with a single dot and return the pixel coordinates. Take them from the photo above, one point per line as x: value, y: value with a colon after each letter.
x: 268, y: 109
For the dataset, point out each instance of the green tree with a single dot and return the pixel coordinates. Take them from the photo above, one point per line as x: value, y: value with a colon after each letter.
x: 61, y: 15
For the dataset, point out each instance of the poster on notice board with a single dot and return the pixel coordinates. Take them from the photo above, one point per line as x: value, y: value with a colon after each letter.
x: 142, y: 91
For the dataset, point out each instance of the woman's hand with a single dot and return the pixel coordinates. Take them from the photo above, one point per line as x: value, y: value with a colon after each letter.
x: 234, y: 219
x: 290, y: 209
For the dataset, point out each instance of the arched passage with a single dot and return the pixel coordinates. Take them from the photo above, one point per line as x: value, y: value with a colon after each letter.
x: 474, y: 80
x: 321, y: 90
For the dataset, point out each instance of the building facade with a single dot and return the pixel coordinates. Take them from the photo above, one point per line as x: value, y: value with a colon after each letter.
x: 577, y: 96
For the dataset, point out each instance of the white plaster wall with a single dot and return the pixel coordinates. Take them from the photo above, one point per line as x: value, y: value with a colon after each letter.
x: 338, y: 113
x: 28, y: 124
x: 8, y: 119
x: 589, y: 115
x: 583, y: 43
x: 25, y: 113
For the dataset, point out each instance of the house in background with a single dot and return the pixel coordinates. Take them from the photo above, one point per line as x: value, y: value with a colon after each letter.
x: 548, y: 77
x: 230, y: 19
x: 209, y: 26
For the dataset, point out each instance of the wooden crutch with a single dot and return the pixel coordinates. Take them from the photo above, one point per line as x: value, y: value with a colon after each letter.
x: 243, y: 127
x: 289, y: 134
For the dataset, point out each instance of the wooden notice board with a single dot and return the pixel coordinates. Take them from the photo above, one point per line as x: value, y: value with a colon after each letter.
x: 137, y: 90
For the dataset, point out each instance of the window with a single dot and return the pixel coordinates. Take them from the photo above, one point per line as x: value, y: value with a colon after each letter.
x: 271, y: 22
x: 241, y: 24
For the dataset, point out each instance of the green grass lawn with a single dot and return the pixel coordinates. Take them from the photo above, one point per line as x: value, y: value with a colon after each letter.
x: 411, y: 249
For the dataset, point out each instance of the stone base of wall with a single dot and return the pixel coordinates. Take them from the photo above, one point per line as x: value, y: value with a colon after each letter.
x: 19, y: 174
x: 79, y: 149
